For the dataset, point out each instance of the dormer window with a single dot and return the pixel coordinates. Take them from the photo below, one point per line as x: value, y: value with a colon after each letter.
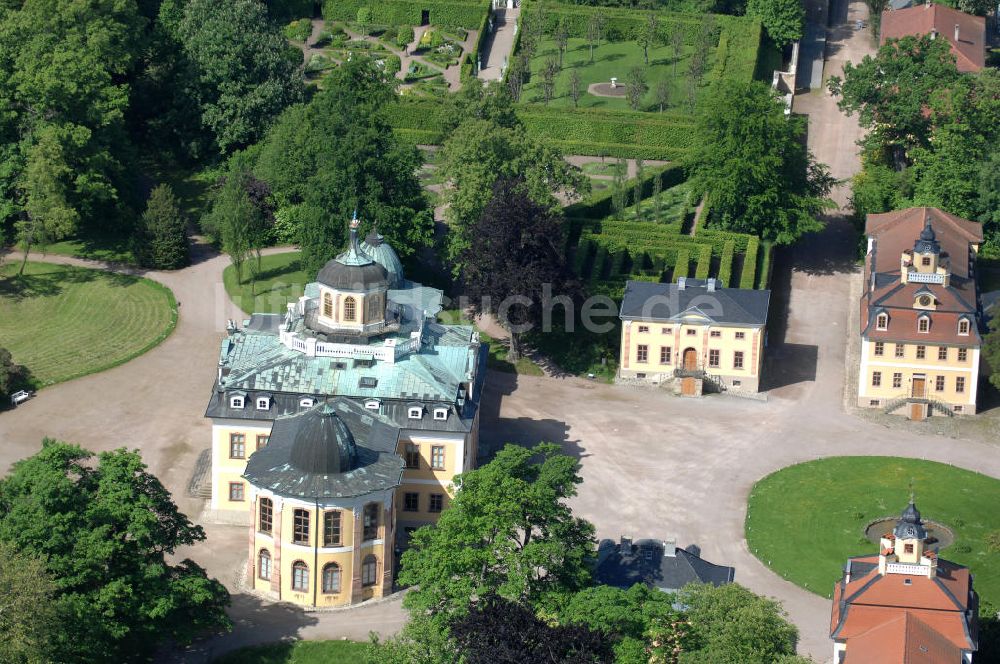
x: 440, y: 414
x: 924, y: 324
x: 307, y: 402
x: 263, y: 403
x: 368, y: 382
x: 963, y: 327
x: 882, y: 322
x: 236, y: 402
x: 373, y: 404
x: 415, y: 412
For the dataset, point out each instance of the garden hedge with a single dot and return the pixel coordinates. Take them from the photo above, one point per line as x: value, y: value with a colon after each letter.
x: 443, y: 13
x: 749, y: 275
x: 599, y: 206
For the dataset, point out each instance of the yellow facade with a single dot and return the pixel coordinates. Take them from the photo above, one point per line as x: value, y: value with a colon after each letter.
x: 227, y: 465
x: 922, y: 371
x: 655, y: 350
x: 312, y: 571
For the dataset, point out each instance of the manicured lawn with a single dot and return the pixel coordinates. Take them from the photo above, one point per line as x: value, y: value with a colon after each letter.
x: 280, y: 281
x: 64, y: 322
x: 804, y: 521
x: 298, y: 652
x: 611, y: 59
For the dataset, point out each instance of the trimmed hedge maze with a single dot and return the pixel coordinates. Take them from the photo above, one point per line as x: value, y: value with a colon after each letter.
x: 606, y: 252
x: 443, y: 13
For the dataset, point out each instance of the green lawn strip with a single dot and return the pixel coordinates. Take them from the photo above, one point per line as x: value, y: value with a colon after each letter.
x: 64, y: 322
x: 611, y: 59
x: 108, y: 248
x: 280, y: 281
x: 580, y: 352
x: 804, y: 521
x: 298, y: 652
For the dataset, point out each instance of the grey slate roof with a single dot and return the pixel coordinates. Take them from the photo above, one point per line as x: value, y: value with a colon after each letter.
x: 650, y: 301
x: 644, y: 561
x: 285, y: 469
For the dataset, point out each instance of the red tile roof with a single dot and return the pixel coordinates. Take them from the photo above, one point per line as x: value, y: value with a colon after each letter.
x: 969, y: 48
x: 896, y: 232
x: 884, y: 619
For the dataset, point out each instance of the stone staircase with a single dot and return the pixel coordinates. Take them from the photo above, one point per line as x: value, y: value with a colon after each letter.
x: 200, y: 485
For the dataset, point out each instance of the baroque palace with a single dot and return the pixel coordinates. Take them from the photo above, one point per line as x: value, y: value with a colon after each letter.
x: 338, y: 427
x: 920, y: 314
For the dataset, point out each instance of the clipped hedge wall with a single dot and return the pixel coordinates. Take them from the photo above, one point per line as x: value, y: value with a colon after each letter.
x: 423, y: 116
x: 454, y: 14
x: 726, y: 262
x: 749, y: 275
x: 599, y: 206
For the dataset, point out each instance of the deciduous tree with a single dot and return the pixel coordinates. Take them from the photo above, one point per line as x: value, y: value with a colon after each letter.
x: 783, y: 19
x: 514, y: 254
x: 754, y: 167
x: 247, y: 73
x: 649, y: 35
x: 575, y: 86
x: 28, y: 621
x: 662, y: 93
x: 106, y: 531
x: 508, y: 531
x: 13, y: 376
x: 635, y: 87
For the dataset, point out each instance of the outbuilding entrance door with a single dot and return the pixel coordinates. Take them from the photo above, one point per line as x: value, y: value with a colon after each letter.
x: 690, y: 359
x: 918, y: 386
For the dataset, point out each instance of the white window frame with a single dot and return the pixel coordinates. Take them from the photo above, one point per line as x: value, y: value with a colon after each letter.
x: 237, y: 402
x: 415, y: 412
x: 965, y: 322
x: 440, y: 414
x: 307, y: 402
x: 879, y: 325
x: 920, y: 322
x: 263, y: 403
x: 373, y: 404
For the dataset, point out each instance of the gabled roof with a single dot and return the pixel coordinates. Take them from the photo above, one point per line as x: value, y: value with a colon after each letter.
x: 650, y: 301
x: 897, y: 231
x: 924, y: 19
x: 651, y: 562
x: 904, y: 639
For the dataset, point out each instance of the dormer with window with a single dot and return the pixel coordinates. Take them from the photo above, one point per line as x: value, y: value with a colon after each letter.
x: 882, y: 321
x: 238, y: 400
x: 924, y: 299
x: 415, y: 412
x: 440, y: 414
x: 307, y: 402
x: 263, y: 403
x: 373, y: 404
x: 964, y: 327
x: 924, y: 324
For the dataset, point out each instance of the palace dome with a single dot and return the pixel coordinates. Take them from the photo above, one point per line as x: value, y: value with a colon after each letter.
x: 323, y: 444
x: 353, y: 269
x: 383, y: 254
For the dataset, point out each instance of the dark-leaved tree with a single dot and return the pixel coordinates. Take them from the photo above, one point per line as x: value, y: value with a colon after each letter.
x: 107, y: 530
x: 754, y: 167
x: 514, y: 260
x: 499, y: 631
x: 13, y: 377
x: 161, y: 238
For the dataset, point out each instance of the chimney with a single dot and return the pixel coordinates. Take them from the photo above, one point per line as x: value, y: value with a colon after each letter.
x: 681, y: 283
x: 670, y: 548
x: 711, y: 285
x: 625, y: 546
x: 956, y: 33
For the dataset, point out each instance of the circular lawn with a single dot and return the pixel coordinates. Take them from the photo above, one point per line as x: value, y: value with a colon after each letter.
x: 62, y: 322
x: 804, y: 521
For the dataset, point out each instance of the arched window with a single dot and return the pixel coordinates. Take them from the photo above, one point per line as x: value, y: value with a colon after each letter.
x: 923, y: 324
x: 350, y: 309
x: 331, y: 578
x: 369, y: 570
x: 327, y: 305
x: 266, y: 515
x: 300, y: 576
x: 881, y: 322
x: 264, y: 565
x: 963, y: 327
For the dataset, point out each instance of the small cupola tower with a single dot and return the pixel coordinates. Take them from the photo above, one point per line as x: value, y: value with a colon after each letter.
x: 904, y: 550
x: 927, y: 250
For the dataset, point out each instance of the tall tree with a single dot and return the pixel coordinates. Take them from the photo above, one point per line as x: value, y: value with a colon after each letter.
x: 481, y: 152
x: 735, y: 625
x: 649, y: 35
x: 662, y: 93
x: 676, y: 45
x: 783, y: 19
x: 161, y: 241
x: 48, y: 212
x: 507, y: 531
x: 105, y: 530
x: 13, y: 376
x: 592, y: 33
x: 549, y: 72
x: 991, y: 350
x: 754, y: 167
x: 892, y: 92
x: 575, y: 86
x: 635, y: 87
x: 499, y: 631
x: 338, y: 153
x: 514, y: 255
x: 28, y: 621
x: 247, y: 72
x: 562, y: 38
